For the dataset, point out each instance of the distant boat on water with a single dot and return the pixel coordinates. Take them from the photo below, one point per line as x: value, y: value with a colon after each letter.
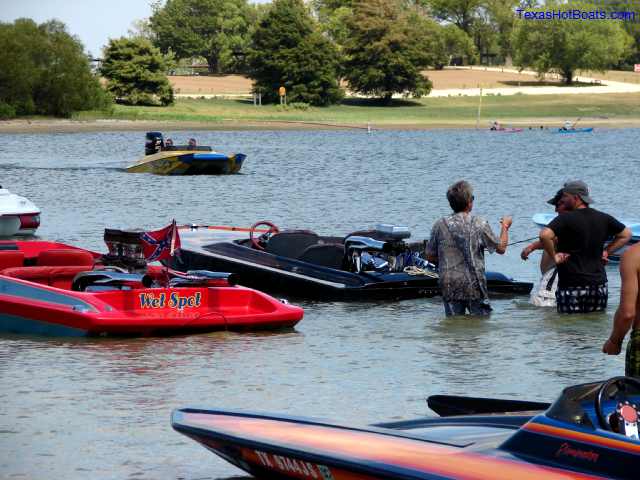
x: 163, y: 159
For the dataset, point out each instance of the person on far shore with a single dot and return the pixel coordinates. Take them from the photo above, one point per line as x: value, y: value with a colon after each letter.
x: 545, y: 294
x: 456, y: 245
x: 580, y: 256
x: 628, y: 313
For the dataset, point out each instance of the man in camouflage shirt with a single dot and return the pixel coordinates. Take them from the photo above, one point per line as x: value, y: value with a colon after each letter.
x: 457, y: 246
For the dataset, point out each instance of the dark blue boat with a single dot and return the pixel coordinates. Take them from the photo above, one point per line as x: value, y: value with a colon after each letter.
x: 589, y: 432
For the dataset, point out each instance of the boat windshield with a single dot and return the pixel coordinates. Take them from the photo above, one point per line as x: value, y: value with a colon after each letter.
x: 576, y: 405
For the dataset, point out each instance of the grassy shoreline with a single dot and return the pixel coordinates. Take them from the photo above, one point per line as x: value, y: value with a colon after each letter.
x: 449, y: 112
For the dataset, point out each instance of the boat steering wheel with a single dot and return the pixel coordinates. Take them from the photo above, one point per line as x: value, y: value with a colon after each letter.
x: 619, y: 382
x: 255, y: 242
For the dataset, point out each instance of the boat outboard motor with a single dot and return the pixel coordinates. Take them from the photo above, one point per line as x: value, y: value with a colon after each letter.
x: 154, y: 143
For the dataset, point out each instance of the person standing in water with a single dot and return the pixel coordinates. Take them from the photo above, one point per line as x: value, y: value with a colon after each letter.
x: 628, y: 313
x: 580, y: 235
x: 456, y: 245
x: 545, y: 294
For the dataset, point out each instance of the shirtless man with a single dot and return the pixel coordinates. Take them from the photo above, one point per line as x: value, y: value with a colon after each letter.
x: 545, y: 294
x: 628, y: 314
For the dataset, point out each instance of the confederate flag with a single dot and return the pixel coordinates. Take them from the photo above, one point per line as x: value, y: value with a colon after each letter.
x: 160, y: 244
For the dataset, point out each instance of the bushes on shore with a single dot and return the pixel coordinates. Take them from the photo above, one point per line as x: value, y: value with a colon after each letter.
x: 44, y: 70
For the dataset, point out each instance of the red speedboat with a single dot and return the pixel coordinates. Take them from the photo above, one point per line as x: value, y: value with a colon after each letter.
x: 50, y: 288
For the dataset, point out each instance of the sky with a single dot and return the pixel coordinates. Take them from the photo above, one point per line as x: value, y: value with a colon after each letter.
x: 92, y: 21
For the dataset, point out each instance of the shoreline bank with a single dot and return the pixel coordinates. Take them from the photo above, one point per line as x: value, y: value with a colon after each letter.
x: 88, y: 126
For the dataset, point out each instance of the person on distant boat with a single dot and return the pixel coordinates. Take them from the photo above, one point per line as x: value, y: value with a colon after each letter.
x: 168, y: 144
x: 568, y: 125
x: 495, y: 125
x: 192, y: 144
x: 545, y: 294
x: 580, y: 256
x: 628, y: 313
x: 457, y: 246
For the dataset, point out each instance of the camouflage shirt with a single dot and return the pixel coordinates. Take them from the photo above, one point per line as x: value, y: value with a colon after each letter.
x: 459, y: 242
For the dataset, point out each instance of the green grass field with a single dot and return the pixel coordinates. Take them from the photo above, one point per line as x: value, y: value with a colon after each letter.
x: 426, y: 111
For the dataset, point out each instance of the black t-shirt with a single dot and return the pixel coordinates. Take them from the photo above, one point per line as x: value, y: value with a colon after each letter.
x: 582, y: 234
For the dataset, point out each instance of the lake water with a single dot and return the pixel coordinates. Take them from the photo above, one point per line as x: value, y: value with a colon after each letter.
x: 99, y: 408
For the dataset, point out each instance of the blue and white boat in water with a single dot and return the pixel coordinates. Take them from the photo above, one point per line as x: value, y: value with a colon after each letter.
x: 574, y: 130
x: 543, y: 219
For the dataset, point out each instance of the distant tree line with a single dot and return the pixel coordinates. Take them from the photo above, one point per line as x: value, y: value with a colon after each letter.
x: 377, y: 48
x: 380, y: 47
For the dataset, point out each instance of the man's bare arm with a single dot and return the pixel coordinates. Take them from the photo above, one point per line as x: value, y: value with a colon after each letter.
x: 627, y: 310
x: 546, y: 238
x: 505, y: 224
x: 532, y: 247
x: 619, y: 240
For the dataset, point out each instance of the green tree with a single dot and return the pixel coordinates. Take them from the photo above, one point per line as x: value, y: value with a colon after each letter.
x: 44, y: 70
x: 501, y: 15
x: 333, y: 16
x: 385, y: 52
x: 289, y: 50
x: 135, y: 72
x: 217, y: 30
x: 454, y: 43
x: 487, y: 22
x: 459, y: 12
x: 563, y: 46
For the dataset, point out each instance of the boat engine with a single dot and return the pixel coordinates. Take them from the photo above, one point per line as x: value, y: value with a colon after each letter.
x: 124, y: 250
x: 154, y: 143
x: 383, y: 249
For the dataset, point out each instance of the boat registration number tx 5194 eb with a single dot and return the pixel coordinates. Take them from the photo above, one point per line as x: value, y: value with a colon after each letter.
x: 170, y: 300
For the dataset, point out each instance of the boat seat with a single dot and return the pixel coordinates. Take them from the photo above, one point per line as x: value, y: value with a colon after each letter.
x: 329, y: 255
x: 11, y: 259
x: 291, y: 243
x: 64, y: 257
x: 54, y: 276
